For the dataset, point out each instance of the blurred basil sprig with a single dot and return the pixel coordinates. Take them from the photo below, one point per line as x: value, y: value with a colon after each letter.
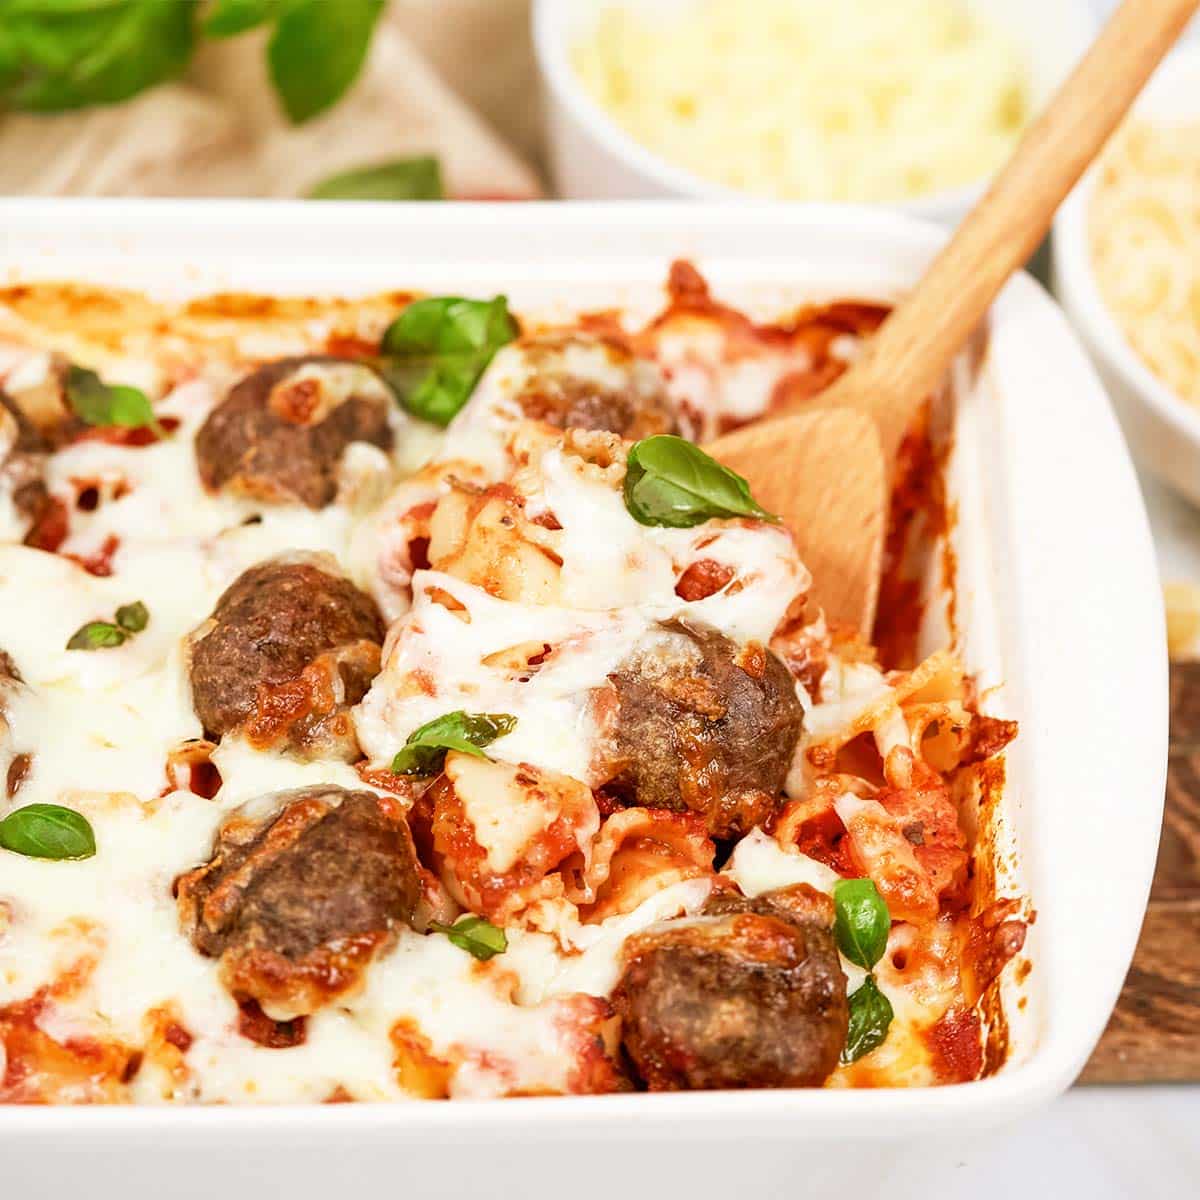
x: 65, y: 54
x: 417, y: 178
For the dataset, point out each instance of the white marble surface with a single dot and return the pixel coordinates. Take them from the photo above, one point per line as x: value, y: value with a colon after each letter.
x: 1131, y: 1143
x: 1176, y: 526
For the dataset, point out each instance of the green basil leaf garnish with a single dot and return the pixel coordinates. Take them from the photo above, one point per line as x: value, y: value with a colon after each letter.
x: 870, y: 1017
x: 98, y: 403
x: 402, y: 179
x: 672, y: 482
x: 435, y: 351
x: 425, y: 751
x: 47, y: 831
x: 73, y: 53
x: 317, y: 50
x: 65, y: 54
x: 477, y: 937
x: 102, y: 635
x: 226, y: 18
x: 862, y: 923
x: 97, y: 635
x: 133, y: 617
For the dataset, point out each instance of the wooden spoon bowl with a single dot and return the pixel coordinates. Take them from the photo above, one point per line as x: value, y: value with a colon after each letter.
x: 835, y: 506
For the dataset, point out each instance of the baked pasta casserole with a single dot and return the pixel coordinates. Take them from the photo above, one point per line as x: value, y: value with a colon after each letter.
x: 398, y: 703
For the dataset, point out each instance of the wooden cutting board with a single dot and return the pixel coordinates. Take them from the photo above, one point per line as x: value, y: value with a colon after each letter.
x: 1154, y: 1034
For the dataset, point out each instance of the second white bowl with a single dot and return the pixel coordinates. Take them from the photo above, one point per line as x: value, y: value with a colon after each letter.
x: 1162, y: 429
x: 592, y: 157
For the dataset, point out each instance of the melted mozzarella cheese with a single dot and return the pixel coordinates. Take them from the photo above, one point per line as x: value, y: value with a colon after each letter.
x: 481, y: 430
x: 168, y: 525
x: 618, y: 581
x: 704, y: 375
x: 437, y: 662
x: 612, y: 561
x: 101, y: 725
x: 760, y: 864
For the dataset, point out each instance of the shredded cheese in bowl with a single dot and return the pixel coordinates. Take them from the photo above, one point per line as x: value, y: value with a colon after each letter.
x: 1144, y: 240
x: 861, y: 100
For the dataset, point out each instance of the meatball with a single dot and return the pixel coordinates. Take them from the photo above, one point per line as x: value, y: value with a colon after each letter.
x: 24, y: 436
x: 36, y: 397
x: 23, y: 462
x: 748, y: 994
x: 302, y: 890
x: 698, y: 723
x: 280, y: 439
x: 289, y: 649
x: 575, y: 383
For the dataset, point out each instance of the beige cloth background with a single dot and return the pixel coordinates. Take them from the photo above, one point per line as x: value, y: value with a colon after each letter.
x: 452, y: 77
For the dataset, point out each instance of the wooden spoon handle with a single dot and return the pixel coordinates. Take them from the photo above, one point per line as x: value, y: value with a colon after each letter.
x: 913, y: 349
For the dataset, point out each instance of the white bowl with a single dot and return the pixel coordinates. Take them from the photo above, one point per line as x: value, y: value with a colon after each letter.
x: 1163, y: 430
x: 593, y: 158
x: 1048, y: 518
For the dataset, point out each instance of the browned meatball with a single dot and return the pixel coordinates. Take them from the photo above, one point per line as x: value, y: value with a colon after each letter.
x: 554, y: 394
x: 9, y: 672
x: 283, y: 443
x: 29, y: 439
x: 696, y: 722
x: 289, y: 649
x: 22, y: 472
x: 296, y: 902
x: 750, y: 994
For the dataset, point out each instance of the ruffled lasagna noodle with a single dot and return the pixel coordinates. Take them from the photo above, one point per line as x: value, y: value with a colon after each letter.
x: 202, y: 954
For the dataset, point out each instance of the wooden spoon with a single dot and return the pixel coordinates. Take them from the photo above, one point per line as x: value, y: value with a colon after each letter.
x: 913, y: 348
x: 836, y: 506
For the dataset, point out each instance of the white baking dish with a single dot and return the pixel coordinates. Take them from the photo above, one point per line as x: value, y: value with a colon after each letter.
x: 1057, y: 594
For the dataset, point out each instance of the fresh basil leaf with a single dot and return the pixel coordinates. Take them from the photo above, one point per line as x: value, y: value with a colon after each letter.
x: 317, y: 51
x: 437, y: 348
x: 403, y: 179
x: 862, y: 923
x: 425, y: 751
x: 672, y: 482
x: 98, y: 403
x: 63, y: 54
x: 47, y: 831
x: 133, y: 617
x: 870, y: 1017
x: 97, y: 635
x: 477, y: 937
x: 226, y: 18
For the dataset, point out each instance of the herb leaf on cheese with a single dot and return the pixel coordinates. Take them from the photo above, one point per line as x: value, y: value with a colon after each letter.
x: 477, y: 937
x: 98, y: 403
x: 670, y: 481
x: 435, y: 351
x: 870, y: 1018
x: 128, y: 620
x: 862, y: 922
x: 402, y: 179
x: 426, y: 748
x: 47, y: 831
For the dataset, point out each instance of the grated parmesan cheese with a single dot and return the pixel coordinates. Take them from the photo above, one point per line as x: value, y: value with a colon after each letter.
x: 867, y: 100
